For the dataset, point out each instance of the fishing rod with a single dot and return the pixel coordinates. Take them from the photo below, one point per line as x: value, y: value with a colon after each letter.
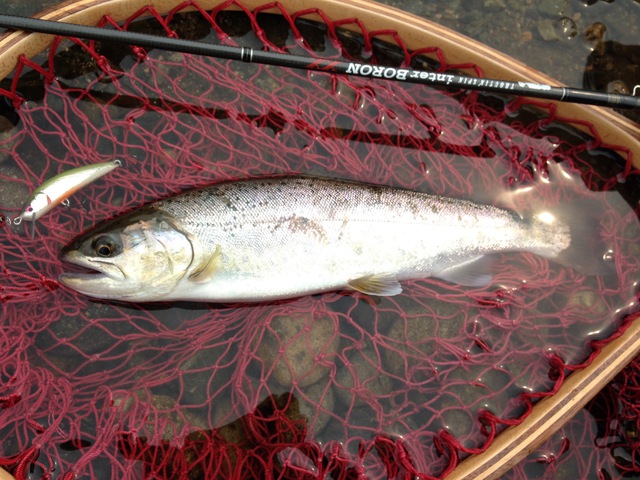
x: 250, y: 55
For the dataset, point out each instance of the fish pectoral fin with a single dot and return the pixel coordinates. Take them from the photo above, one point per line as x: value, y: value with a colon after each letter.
x: 473, y: 273
x: 384, y: 285
x: 207, y: 269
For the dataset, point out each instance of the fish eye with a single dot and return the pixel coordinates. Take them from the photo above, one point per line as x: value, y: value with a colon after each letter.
x: 105, y: 246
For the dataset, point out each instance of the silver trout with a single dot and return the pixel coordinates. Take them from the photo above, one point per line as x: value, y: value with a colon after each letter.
x: 276, y: 238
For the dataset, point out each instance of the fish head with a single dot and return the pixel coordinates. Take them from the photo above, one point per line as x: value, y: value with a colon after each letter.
x: 136, y: 258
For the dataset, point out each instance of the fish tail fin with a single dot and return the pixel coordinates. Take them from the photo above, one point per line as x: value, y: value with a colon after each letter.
x: 578, y: 230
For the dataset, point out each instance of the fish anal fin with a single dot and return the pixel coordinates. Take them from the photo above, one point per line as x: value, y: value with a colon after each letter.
x: 472, y: 273
x: 384, y: 285
x: 208, y: 268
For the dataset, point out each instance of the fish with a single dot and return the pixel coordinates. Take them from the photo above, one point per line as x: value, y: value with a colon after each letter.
x: 268, y: 239
x: 58, y: 188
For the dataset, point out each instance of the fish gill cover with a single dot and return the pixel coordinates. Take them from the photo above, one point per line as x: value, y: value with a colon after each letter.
x: 327, y: 386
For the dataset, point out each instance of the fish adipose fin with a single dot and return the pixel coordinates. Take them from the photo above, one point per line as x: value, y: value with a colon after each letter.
x: 207, y: 270
x: 472, y: 273
x: 383, y: 285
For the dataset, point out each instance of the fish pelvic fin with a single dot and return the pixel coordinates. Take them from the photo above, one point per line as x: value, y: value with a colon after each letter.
x: 207, y: 268
x: 384, y: 285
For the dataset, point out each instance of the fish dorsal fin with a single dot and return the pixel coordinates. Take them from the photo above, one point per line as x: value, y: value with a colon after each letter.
x: 384, y: 285
x: 473, y: 273
x: 207, y: 269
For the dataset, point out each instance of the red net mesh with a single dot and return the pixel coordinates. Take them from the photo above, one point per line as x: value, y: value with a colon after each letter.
x: 330, y: 386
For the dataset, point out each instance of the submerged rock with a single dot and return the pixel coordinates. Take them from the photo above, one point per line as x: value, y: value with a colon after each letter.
x: 612, y: 66
x: 553, y: 7
x: 559, y: 29
x: 361, y: 379
x: 315, y: 404
x: 298, y: 349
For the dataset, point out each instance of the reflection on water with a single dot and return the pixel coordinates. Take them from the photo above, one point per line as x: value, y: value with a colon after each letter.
x: 342, y: 382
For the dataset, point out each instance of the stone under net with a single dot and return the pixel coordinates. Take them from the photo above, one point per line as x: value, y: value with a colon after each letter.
x: 339, y: 385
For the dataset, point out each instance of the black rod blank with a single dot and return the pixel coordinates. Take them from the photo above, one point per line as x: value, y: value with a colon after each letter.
x: 450, y: 80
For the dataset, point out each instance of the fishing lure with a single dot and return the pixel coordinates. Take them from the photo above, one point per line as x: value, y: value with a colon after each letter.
x: 56, y: 190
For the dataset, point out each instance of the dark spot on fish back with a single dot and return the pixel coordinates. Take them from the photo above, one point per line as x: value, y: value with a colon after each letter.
x: 305, y: 225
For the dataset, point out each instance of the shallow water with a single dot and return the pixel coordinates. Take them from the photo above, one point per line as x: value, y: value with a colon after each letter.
x: 360, y: 369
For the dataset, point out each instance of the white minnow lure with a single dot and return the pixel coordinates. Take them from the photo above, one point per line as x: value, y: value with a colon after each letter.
x: 57, y: 189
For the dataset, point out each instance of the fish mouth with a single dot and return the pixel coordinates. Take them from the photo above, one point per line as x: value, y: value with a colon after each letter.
x: 95, y: 270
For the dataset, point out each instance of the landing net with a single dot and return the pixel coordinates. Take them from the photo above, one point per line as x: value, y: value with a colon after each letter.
x: 337, y: 385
